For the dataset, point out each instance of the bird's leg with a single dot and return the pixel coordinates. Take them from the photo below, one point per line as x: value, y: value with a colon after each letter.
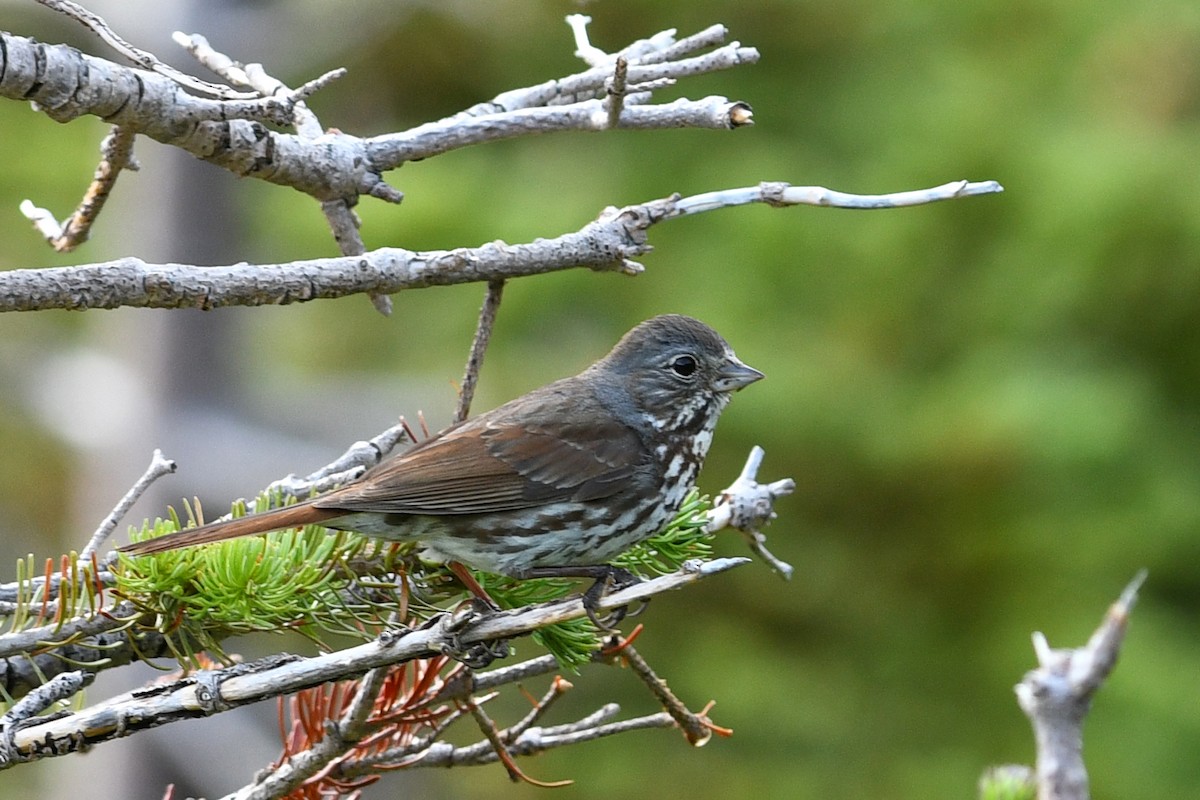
x: 480, y: 654
x: 607, y: 578
x: 463, y: 574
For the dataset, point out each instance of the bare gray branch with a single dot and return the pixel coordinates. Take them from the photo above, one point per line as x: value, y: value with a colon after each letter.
x: 66, y: 84
x: 196, y: 697
x: 610, y: 243
x: 1058, y: 695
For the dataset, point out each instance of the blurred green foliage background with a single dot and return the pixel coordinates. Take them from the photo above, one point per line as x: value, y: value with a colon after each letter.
x: 991, y: 407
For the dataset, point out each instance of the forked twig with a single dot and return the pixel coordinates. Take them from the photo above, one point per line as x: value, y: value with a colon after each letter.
x: 697, y: 728
x: 1058, y: 695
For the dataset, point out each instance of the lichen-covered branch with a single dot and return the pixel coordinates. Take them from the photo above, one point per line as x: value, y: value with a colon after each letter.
x: 747, y: 506
x: 141, y: 58
x: 610, y: 243
x: 65, y: 84
x: 1058, y: 695
x: 100, y: 641
x: 212, y: 692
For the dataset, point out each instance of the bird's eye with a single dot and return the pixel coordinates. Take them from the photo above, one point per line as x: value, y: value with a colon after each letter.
x: 683, y: 366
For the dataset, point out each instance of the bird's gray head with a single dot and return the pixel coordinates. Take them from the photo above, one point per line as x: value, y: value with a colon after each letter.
x: 678, y: 371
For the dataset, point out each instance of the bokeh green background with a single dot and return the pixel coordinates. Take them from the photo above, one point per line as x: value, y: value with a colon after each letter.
x: 991, y: 407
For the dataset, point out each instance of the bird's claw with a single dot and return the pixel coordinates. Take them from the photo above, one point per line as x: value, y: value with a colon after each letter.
x: 475, y: 655
x: 614, y: 580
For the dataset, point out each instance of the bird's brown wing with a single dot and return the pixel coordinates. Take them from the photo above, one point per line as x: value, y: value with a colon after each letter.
x: 502, y: 462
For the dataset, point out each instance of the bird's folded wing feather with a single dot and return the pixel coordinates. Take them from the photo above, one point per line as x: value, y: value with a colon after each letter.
x: 486, y: 468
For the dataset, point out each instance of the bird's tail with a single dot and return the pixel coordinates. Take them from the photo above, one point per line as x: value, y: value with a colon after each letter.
x: 288, y: 517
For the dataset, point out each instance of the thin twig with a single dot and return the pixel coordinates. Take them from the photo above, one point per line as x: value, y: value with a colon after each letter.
x: 61, y: 687
x: 616, y: 92
x: 498, y: 741
x: 711, y: 36
x: 512, y: 673
x: 339, y: 213
x: 779, y: 194
x: 359, y: 457
x: 339, y: 739
x: 159, y: 466
x: 389, y: 151
x: 591, y: 55
x: 352, y: 725
x: 344, y: 224
x: 483, y: 334
x: 658, y: 49
x: 558, y: 688
x: 31, y: 639
x: 96, y: 24
x: 431, y: 752
x: 255, y: 77
x: 116, y: 154
x: 488, y: 729
x: 696, y: 727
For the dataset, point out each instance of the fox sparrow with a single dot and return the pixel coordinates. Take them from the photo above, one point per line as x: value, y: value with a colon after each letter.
x: 552, y: 484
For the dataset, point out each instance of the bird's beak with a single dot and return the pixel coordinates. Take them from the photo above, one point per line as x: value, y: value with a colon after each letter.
x: 736, y: 375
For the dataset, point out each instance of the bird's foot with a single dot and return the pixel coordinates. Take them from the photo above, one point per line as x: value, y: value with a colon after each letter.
x: 607, y: 579
x: 475, y: 655
x: 614, y: 579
